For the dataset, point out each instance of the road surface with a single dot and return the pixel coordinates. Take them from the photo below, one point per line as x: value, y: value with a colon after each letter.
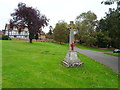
x: 107, y: 60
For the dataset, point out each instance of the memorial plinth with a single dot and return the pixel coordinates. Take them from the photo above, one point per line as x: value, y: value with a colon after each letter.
x: 71, y: 60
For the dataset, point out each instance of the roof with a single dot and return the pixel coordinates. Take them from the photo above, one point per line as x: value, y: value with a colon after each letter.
x: 19, y: 27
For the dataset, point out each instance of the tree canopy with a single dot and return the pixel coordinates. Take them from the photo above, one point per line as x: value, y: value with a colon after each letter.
x: 60, y: 32
x: 110, y: 26
x: 50, y: 30
x: 86, y: 23
x: 30, y: 17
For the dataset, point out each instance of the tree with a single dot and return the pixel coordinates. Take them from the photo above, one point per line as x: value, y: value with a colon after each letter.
x: 50, y: 31
x: 103, y: 40
x: 110, y: 26
x: 36, y: 36
x: 30, y: 17
x: 110, y: 2
x: 86, y: 23
x: 60, y: 32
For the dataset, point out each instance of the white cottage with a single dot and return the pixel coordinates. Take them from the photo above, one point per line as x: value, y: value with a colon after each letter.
x: 17, y: 31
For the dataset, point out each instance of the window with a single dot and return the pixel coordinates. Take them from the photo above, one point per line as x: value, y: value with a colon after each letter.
x: 14, y: 36
x: 25, y: 31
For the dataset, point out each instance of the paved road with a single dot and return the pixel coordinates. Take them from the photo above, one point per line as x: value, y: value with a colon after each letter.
x: 109, y: 61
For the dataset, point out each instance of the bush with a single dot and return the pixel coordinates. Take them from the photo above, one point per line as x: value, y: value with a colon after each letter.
x: 36, y: 36
x: 31, y: 36
x: 5, y: 37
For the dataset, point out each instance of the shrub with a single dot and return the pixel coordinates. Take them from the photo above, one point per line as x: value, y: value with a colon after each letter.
x: 5, y: 37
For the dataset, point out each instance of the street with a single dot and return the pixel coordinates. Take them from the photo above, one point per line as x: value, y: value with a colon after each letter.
x: 107, y: 60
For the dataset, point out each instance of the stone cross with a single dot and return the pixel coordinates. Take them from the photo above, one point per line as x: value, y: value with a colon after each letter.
x: 71, y: 37
x: 71, y: 59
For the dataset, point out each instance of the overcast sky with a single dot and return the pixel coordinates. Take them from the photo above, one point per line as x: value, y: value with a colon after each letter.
x: 55, y: 10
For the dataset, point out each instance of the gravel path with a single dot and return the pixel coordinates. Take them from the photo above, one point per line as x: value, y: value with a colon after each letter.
x: 107, y: 60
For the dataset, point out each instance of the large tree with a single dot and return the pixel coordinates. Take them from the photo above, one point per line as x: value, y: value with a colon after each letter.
x: 30, y: 17
x: 110, y: 27
x: 109, y: 2
x: 86, y: 23
x: 60, y: 32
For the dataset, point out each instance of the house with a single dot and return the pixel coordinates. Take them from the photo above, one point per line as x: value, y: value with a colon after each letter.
x: 42, y: 35
x: 19, y: 31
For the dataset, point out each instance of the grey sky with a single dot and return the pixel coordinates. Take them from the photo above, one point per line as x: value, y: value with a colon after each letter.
x: 55, y: 10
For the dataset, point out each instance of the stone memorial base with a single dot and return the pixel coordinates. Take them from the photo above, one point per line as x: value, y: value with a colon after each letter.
x: 72, y: 60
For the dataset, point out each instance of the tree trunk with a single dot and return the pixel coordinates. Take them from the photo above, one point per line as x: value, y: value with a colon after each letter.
x: 30, y: 40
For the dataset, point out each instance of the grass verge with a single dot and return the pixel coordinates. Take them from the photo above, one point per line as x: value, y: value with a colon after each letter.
x: 92, y: 48
x: 38, y: 65
x: 113, y: 54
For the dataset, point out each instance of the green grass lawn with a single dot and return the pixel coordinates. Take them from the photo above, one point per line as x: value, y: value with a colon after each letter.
x: 38, y: 65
